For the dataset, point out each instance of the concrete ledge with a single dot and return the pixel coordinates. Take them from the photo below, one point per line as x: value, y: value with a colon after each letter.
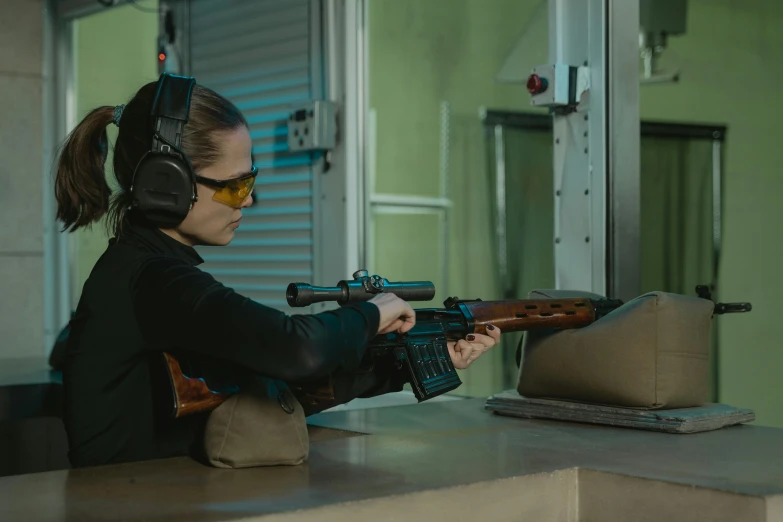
x: 441, y: 461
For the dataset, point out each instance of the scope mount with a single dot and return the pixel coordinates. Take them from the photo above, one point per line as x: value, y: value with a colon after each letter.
x: 373, y: 284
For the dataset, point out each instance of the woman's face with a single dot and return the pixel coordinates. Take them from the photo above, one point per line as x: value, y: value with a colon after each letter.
x: 212, y: 222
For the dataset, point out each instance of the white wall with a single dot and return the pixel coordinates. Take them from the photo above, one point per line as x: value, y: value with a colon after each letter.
x: 21, y: 181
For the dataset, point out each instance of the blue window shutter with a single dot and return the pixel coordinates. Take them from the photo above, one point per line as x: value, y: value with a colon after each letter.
x: 258, y: 54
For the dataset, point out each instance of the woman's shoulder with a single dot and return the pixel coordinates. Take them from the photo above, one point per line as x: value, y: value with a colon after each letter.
x: 157, y: 274
x: 124, y: 264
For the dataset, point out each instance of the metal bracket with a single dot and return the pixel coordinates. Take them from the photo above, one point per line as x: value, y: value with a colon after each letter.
x: 559, y: 86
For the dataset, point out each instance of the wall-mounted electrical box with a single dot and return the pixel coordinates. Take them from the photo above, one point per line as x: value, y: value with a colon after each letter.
x: 558, y: 85
x: 313, y: 126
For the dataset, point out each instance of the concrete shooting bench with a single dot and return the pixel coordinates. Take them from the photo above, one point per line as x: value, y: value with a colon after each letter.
x: 450, y: 460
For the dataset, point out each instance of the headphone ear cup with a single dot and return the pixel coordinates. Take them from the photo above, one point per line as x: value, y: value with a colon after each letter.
x: 163, y: 189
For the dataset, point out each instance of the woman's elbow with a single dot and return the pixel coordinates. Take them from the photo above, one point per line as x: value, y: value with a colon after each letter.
x: 311, y: 361
x: 316, y: 350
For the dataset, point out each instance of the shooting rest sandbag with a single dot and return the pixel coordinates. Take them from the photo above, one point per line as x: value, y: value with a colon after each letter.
x: 651, y: 353
x: 262, y: 425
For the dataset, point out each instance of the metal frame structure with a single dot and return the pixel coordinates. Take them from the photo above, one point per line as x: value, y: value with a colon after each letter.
x: 398, y: 204
x: 59, y: 105
x: 403, y: 204
x: 596, y: 148
x: 341, y: 193
x: 499, y: 120
x: 596, y: 152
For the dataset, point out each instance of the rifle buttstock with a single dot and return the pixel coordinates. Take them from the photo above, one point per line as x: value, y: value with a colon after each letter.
x: 191, y: 394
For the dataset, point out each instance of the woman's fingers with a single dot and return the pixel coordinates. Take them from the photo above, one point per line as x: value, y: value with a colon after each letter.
x: 395, y: 314
x: 493, y: 332
x: 461, y: 354
x: 485, y: 340
x: 394, y: 327
x: 465, y: 351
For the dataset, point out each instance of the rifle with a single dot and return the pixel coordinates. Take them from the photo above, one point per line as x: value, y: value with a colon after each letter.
x: 423, y: 350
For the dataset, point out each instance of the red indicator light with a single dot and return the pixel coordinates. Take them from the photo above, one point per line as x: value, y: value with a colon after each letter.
x: 536, y: 84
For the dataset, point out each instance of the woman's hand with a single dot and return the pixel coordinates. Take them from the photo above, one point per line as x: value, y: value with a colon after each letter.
x: 396, y: 314
x: 465, y: 351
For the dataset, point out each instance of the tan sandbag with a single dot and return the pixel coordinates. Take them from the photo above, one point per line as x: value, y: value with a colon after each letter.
x: 263, y: 425
x: 651, y: 353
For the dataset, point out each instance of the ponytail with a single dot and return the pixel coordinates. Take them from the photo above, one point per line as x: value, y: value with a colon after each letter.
x: 80, y: 186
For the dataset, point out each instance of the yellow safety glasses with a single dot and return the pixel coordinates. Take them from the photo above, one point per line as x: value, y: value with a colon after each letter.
x: 234, y: 191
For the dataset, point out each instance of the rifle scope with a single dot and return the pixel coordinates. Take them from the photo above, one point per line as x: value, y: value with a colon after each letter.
x: 362, y: 288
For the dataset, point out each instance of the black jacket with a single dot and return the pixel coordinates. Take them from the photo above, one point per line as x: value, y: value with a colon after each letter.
x: 146, y: 295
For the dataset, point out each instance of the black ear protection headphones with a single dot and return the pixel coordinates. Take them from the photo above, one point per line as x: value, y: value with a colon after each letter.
x: 164, y: 185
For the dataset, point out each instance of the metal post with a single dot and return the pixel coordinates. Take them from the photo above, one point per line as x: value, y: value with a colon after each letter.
x: 500, y: 216
x: 579, y: 150
x: 59, y: 117
x: 623, y: 133
x: 717, y: 200
x: 50, y: 231
x: 341, y: 189
x: 596, y: 148
x: 717, y: 243
x: 445, y: 217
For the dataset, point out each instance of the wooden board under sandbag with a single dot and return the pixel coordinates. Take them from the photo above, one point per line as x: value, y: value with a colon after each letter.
x: 681, y: 420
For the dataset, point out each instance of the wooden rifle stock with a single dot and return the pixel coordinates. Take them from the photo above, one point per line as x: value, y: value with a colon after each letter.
x: 532, y: 314
x: 190, y: 394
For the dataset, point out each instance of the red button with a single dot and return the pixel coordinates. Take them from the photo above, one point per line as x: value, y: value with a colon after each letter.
x: 536, y: 84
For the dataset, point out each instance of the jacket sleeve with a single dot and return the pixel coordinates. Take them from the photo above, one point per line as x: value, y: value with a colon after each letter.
x: 348, y: 386
x: 178, y: 305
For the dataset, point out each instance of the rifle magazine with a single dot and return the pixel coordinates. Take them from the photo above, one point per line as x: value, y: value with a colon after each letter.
x: 429, y: 365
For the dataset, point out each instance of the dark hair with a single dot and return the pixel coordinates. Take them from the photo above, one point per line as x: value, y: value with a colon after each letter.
x: 82, y: 192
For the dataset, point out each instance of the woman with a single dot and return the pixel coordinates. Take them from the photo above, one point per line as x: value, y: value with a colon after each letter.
x: 146, y: 295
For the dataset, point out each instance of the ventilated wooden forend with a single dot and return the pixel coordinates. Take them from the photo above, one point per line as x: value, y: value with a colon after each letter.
x: 191, y: 394
x: 532, y: 314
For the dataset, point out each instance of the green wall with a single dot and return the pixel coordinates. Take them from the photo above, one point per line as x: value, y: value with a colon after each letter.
x: 732, y: 66
x: 420, y: 54
x: 423, y: 52
x: 115, y: 54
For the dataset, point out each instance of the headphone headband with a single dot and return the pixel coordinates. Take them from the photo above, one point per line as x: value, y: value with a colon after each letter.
x: 171, y: 109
